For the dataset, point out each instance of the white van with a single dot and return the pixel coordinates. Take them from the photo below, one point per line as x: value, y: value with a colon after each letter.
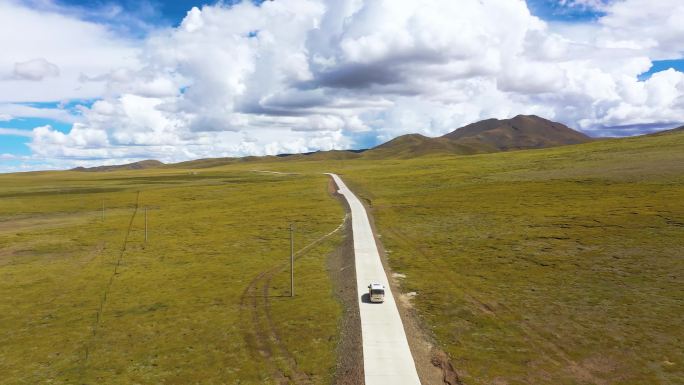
x: 376, y: 292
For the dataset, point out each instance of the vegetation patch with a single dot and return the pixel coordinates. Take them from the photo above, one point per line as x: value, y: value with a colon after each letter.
x: 86, y: 303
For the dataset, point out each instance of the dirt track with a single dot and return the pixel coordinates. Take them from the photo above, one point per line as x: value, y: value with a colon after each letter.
x: 261, y: 336
x: 433, y: 365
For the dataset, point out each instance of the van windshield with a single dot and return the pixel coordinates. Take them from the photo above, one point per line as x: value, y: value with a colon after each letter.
x: 377, y: 292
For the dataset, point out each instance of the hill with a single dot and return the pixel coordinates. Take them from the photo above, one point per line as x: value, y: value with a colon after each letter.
x: 487, y: 136
x: 668, y: 132
x: 316, y: 155
x: 521, y: 132
x: 142, y: 165
x: 413, y: 145
x: 491, y: 135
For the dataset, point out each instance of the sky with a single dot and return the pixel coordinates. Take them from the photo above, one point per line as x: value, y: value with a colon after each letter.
x: 111, y: 82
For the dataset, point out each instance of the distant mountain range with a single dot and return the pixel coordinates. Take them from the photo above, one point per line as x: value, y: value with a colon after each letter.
x: 130, y: 166
x: 492, y: 135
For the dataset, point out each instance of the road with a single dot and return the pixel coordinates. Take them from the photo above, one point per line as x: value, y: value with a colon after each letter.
x: 387, y: 358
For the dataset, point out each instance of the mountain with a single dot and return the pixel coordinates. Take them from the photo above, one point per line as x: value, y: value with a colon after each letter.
x: 521, y: 132
x: 316, y: 155
x: 670, y: 131
x: 412, y: 145
x: 491, y: 135
x: 144, y: 164
x: 487, y: 136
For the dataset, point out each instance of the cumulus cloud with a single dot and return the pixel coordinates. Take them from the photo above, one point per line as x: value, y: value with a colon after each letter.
x: 652, y: 28
x: 303, y: 75
x: 40, y: 44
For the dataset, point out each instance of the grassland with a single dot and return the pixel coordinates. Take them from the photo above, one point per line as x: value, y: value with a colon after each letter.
x: 178, y: 309
x: 560, y: 266
x: 557, y: 266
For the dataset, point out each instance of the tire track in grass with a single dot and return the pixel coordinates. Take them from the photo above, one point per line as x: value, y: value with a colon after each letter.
x: 88, y: 345
x: 261, y: 336
x: 254, y: 336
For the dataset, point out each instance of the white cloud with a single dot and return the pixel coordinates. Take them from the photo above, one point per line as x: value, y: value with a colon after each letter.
x: 302, y: 75
x: 16, y: 132
x: 10, y: 111
x: 41, y: 44
x: 35, y: 70
x: 654, y: 28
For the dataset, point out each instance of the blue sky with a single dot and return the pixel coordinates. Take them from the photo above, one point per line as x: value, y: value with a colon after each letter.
x: 155, y: 11
x: 170, y: 13
x: 663, y: 65
x: 553, y: 10
x: 18, y: 145
x: 134, y: 18
x: 129, y: 24
x: 139, y: 15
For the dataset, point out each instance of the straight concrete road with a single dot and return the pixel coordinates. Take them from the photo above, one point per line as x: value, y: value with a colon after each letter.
x: 387, y: 358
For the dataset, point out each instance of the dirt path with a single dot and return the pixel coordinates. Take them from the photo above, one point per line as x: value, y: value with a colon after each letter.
x: 261, y: 335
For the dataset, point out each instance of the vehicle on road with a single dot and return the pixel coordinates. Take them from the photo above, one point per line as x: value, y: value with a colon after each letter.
x: 376, y: 292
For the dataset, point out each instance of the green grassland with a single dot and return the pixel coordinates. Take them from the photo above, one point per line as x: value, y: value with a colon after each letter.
x: 556, y: 266
x: 177, y: 310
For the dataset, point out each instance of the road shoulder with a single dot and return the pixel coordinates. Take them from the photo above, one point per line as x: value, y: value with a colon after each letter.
x: 432, y: 363
x: 342, y: 271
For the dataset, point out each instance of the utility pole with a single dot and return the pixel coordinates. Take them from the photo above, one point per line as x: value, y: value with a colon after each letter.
x: 145, y: 224
x: 292, y: 293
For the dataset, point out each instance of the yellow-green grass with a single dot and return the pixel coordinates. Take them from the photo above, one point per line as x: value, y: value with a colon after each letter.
x: 556, y: 266
x: 560, y: 266
x: 172, y: 313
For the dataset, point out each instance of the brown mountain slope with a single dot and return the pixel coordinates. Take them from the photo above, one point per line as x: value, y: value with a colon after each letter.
x: 144, y: 164
x: 412, y: 145
x: 491, y: 135
x: 521, y: 132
